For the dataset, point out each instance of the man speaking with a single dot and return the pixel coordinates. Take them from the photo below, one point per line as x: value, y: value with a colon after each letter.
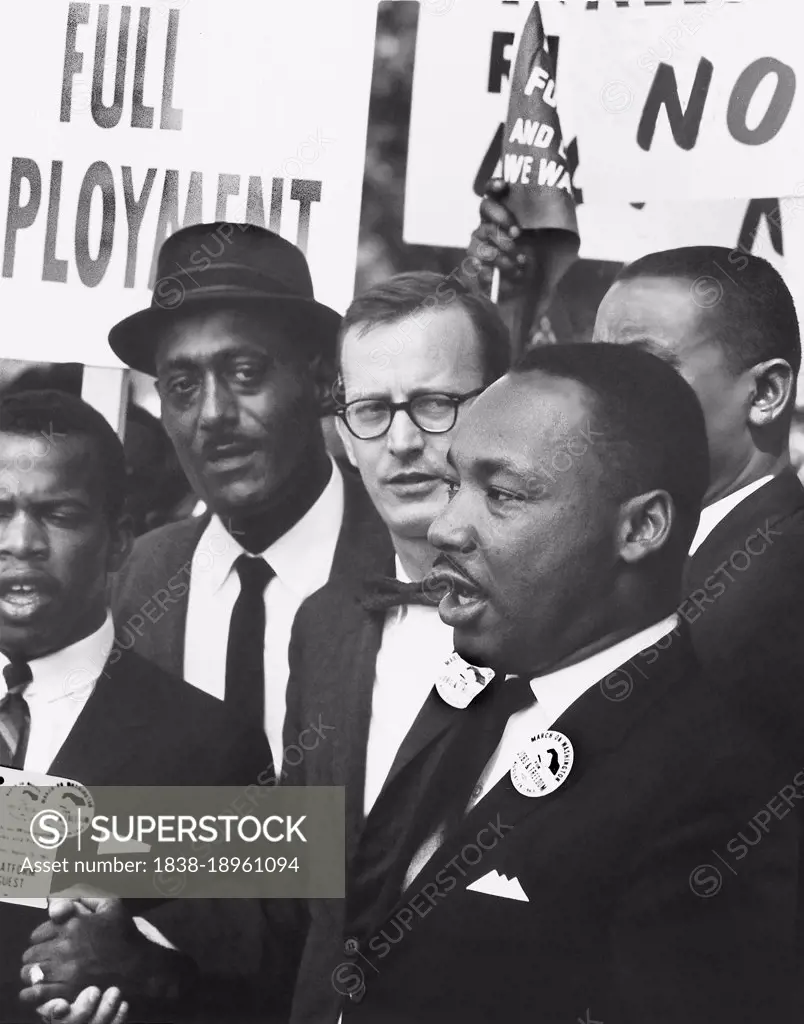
x: 563, y: 863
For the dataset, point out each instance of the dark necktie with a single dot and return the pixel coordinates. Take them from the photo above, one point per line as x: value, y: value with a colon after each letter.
x: 380, y: 594
x: 387, y: 847
x: 479, y: 731
x: 245, y: 653
x: 15, y: 716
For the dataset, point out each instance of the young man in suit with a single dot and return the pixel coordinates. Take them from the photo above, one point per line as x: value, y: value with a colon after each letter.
x: 727, y: 322
x: 73, y: 702
x: 415, y: 351
x: 243, y: 357
x: 520, y: 894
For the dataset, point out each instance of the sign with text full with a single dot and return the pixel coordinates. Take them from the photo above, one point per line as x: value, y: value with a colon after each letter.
x: 124, y: 122
x: 660, y: 102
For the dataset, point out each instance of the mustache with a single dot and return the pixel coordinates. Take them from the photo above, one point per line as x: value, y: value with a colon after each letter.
x: 212, y: 444
x: 444, y: 569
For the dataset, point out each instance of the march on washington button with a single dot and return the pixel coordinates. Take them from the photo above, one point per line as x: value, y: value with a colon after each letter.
x: 543, y: 765
x: 460, y: 682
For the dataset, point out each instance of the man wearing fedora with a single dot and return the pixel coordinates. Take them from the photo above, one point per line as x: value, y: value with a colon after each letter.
x: 244, y: 359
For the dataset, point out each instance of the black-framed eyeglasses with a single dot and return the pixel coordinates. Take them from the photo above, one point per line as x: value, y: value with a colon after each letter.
x: 434, y: 413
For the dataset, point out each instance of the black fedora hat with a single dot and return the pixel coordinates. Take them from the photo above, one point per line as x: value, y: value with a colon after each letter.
x: 224, y: 265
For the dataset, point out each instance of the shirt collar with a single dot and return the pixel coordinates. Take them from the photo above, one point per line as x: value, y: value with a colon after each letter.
x: 301, y: 557
x: 71, y: 671
x: 557, y: 690
x: 718, y: 510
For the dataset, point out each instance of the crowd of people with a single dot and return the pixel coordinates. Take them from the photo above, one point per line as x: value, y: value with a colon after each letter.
x: 587, y: 561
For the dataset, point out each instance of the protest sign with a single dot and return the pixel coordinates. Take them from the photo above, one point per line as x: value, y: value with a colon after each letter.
x: 635, y: 124
x: 601, y: 103
x: 533, y: 162
x: 122, y: 123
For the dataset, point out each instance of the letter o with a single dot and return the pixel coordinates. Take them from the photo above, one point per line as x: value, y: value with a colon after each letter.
x: 744, y: 91
x: 750, y: 550
x: 218, y: 545
x: 747, y: 558
x: 206, y: 565
x: 466, y: 850
x: 287, y: 760
x: 302, y: 744
x: 288, y: 172
x: 307, y: 146
x: 256, y: 835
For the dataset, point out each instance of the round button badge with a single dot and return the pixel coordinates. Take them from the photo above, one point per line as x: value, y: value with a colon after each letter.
x: 460, y: 682
x: 542, y: 766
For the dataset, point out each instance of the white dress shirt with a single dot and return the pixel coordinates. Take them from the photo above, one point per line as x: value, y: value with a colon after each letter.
x: 415, y: 644
x: 302, y: 560
x: 718, y: 510
x: 552, y: 694
x: 61, y: 685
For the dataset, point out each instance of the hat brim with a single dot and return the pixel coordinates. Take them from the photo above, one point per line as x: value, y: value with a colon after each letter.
x: 135, y: 339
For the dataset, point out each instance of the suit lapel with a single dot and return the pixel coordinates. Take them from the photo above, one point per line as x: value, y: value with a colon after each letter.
x: 360, y: 636
x: 433, y: 720
x: 111, y: 732
x: 168, y: 572
x: 596, y: 724
x: 364, y: 544
x: 776, y: 499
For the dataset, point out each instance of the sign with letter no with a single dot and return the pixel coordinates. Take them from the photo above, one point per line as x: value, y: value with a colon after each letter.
x: 123, y: 122
x: 666, y: 101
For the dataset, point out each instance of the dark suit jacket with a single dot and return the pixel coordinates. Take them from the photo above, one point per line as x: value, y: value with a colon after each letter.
x: 745, y: 606
x: 651, y: 892
x: 333, y: 665
x: 150, y: 592
x: 140, y: 727
x: 243, y: 940
x: 747, y: 577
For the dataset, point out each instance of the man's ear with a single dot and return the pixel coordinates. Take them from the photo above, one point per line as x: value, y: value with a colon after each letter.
x: 122, y: 541
x: 346, y: 440
x: 324, y: 376
x: 645, y: 525
x: 774, y: 386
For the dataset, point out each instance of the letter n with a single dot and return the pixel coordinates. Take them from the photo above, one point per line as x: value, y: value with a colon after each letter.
x: 684, y: 125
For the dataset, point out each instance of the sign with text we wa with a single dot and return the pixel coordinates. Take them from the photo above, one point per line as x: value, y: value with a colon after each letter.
x: 660, y: 100
x: 123, y: 122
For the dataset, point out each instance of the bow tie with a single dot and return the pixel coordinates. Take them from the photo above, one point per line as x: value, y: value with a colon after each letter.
x: 381, y: 594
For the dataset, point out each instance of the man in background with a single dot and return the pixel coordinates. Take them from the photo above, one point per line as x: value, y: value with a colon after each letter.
x: 727, y: 322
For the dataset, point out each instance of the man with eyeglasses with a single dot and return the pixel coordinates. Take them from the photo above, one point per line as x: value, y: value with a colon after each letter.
x: 414, y: 352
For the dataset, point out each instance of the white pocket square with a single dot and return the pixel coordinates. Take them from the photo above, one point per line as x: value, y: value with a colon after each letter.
x: 494, y: 884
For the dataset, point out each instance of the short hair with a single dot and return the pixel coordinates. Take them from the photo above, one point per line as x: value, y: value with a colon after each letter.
x: 755, y: 316
x: 403, y: 295
x: 31, y: 413
x: 652, y: 424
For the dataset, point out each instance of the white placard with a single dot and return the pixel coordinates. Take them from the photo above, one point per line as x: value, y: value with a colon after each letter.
x: 608, y: 61
x: 255, y: 111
